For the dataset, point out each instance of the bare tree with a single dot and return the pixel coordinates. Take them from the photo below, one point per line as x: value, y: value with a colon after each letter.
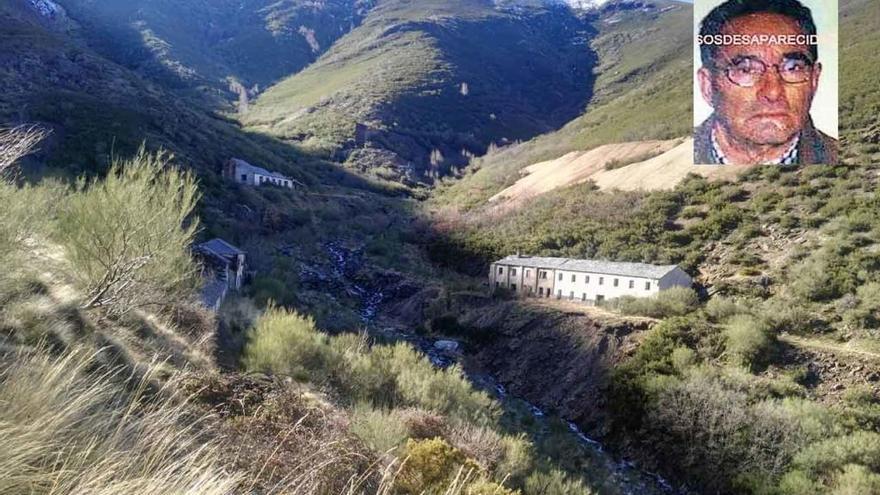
x: 16, y: 142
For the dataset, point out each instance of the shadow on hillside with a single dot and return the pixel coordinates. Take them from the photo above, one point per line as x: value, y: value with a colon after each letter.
x: 509, y: 79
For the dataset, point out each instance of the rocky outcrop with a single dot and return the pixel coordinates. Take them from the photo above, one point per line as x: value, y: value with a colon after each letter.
x: 559, y: 360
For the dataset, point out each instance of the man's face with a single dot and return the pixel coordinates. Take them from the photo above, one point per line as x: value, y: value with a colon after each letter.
x: 772, y: 111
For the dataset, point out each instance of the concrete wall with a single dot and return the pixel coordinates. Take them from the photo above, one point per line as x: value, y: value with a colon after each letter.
x: 580, y: 286
x: 587, y: 286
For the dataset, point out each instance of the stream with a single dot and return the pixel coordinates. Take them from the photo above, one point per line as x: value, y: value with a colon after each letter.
x: 444, y: 353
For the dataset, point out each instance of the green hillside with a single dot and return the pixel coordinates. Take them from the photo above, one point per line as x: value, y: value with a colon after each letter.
x: 434, y: 82
x: 727, y: 395
x: 859, y: 86
x: 642, y: 91
x: 209, y: 43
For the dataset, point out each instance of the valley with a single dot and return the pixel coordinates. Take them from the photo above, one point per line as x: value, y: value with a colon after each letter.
x: 428, y: 139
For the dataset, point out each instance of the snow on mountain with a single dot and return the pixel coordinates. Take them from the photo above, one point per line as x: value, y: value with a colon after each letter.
x: 584, y: 4
x: 47, y: 8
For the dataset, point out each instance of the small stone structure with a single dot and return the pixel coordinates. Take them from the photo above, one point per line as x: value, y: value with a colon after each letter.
x: 242, y: 172
x: 224, y: 270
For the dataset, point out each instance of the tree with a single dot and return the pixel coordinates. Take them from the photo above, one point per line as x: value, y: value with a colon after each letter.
x: 16, y: 143
x: 128, y: 236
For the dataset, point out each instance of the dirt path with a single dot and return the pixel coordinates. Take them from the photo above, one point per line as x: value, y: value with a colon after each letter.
x: 839, y: 350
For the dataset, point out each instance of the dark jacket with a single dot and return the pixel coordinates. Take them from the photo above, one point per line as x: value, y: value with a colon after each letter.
x: 814, y: 147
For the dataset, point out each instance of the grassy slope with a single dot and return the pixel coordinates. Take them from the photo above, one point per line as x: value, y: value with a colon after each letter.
x: 402, y: 71
x: 205, y: 42
x: 859, y: 105
x: 97, y: 108
x: 642, y: 91
x: 789, y: 252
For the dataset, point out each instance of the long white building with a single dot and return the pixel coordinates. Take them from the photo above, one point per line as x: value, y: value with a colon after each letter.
x: 583, y: 280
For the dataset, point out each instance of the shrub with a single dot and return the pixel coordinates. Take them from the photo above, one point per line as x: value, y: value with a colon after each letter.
x: 128, y: 236
x: 719, y: 309
x: 866, y: 313
x: 748, y: 340
x: 856, y: 480
x: 517, y: 459
x: 676, y: 301
x: 683, y: 358
x: 555, y: 482
x: 443, y: 390
x: 825, y: 457
x: 286, y: 342
x: 382, y: 431
x: 430, y: 466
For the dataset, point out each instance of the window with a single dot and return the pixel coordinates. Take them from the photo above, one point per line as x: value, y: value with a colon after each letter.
x: 544, y: 275
x: 571, y: 295
x: 616, y: 281
x: 244, y: 177
x: 560, y: 277
x: 601, y: 280
x: 647, y: 285
x: 541, y: 291
x: 573, y: 277
x: 584, y: 296
x: 500, y: 270
x: 586, y: 279
x: 528, y: 273
x: 530, y: 289
x: 558, y: 293
x: 599, y: 298
x: 497, y: 284
x: 513, y: 272
x: 513, y: 287
x: 632, y: 284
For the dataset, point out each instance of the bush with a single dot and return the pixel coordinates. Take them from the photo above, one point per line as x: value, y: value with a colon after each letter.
x: 719, y: 309
x: 676, y: 301
x: 748, y: 340
x: 826, y: 457
x: 430, y: 466
x: 555, y: 482
x: 856, y: 480
x: 286, y: 342
x: 128, y: 237
x: 382, y: 431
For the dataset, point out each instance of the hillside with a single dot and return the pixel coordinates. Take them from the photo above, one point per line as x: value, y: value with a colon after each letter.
x: 642, y: 89
x: 725, y: 392
x: 224, y: 47
x: 420, y: 87
x: 364, y: 334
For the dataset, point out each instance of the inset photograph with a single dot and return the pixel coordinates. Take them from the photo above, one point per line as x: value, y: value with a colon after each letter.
x: 765, y: 82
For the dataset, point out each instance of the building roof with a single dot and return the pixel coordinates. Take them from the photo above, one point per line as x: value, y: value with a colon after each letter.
x: 220, y: 248
x: 641, y: 270
x: 253, y: 169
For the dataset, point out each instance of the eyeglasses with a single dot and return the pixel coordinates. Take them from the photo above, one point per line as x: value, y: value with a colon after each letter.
x: 747, y: 71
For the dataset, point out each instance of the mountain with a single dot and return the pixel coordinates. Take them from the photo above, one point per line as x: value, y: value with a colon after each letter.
x: 642, y: 89
x: 235, y: 45
x: 419, y: 87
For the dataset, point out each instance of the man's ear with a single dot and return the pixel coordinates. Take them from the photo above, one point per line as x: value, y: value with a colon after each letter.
x: 817, y: 71
x: 704, y: 77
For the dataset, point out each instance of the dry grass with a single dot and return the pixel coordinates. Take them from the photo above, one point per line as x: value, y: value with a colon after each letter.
x: 70, y: 426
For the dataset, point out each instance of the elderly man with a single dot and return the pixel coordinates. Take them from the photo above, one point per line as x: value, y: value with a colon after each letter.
x: 760, y: 72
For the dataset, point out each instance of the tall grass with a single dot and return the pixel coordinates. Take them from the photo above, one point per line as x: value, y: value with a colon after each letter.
x: 69, y: 426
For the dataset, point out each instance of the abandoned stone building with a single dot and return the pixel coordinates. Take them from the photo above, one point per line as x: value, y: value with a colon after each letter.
x: 243, y: 172
x: 588, y: 281
x: 223, y: 270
